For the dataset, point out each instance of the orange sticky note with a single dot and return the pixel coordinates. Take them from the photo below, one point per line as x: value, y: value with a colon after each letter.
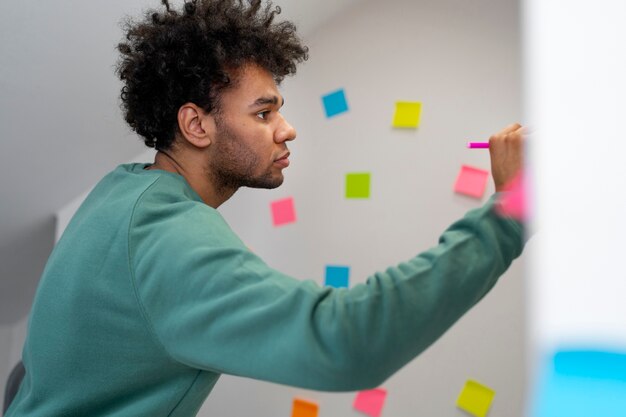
x: 370, y: 402
x: 475, y: 398
x: 304, y: 408
x: 283, y: 211
x: 471, y: 181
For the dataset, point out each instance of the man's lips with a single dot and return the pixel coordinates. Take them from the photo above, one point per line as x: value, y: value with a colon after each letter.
x: 283, y: 160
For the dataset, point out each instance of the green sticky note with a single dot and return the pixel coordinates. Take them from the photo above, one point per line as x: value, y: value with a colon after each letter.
x: 408, y: 114
x: 475, y: 398
x: 358, y: 185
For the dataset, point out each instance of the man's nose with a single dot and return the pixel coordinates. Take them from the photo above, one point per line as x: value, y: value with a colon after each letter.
x: 285, y: 131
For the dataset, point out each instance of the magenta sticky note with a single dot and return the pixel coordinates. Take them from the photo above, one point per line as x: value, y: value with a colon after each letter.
x: 283, y: 211
x: 370, y: 402
x: 471, y: 181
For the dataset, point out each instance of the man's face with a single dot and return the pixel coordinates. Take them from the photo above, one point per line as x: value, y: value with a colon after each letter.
x: 250, y: 146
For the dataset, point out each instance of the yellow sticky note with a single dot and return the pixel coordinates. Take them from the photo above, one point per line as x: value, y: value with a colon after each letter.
x: 408, y: 114
x: 304, y: 408
x: 475, y: 398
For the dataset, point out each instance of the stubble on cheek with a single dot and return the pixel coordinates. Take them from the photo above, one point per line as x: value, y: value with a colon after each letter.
x: 235, y: 164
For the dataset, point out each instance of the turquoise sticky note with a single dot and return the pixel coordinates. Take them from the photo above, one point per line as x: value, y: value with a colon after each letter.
x: 581, y: 383
x: 337, y: 276
x: 358, y: 185
x: 335, y: 103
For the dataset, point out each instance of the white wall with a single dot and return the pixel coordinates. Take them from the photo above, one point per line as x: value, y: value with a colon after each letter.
x: 462, y: 61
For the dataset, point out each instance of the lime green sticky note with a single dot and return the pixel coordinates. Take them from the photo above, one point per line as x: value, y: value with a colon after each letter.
x: 408, y: 114
x: 358, y: 185
x: 475, y: 398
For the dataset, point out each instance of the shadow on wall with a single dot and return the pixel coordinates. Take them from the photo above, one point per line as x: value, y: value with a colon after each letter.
x: 19, y: 279
x: 13, y: 384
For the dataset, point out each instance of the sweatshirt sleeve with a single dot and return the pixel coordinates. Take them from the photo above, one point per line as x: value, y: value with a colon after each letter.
x: 214, y: 305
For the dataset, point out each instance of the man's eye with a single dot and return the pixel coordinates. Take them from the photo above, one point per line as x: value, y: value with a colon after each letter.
x: 263, y: 115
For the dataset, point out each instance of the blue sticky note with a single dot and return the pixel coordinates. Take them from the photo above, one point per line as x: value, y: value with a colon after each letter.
x: 582, y: 383
x: 335, y: 103
x: 337, y: 276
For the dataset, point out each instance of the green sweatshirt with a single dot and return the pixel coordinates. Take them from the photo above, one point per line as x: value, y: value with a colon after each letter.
x: 149, y: 296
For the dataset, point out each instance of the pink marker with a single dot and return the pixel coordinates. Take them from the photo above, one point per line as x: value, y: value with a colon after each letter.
x: 478, y: 145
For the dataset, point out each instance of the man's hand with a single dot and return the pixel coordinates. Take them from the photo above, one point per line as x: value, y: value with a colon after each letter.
x: 507, y: 152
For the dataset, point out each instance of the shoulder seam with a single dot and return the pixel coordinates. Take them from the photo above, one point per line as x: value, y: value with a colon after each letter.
x: 133, y: 279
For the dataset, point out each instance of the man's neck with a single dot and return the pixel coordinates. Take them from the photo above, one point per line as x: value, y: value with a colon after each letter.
x: 195, y: 174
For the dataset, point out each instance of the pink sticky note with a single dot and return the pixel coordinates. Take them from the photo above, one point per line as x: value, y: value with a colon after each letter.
x: 283, y: 211
x: 370, y: 402
x: 471, y: 181
x: 514, y: 202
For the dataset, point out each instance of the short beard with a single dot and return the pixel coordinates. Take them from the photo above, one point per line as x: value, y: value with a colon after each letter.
x: 234, y: 163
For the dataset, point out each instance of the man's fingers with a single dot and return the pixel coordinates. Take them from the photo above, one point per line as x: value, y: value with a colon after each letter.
x: 515, y: 128
x: 506, y: 152
x: 512, y: 128
x: 509, y: 129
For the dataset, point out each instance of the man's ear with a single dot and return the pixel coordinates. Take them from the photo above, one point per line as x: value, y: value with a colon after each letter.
x: 196, y: 125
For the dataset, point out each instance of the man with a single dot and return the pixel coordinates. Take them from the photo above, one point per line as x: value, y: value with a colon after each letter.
x: 149, y: 296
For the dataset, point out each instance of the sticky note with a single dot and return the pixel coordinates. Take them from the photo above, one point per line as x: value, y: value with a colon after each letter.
x: 304, y: 408
x: 358, y: 185
x: 337, y: 276
x: 370, y: 402
x: 581, y: 383
x: 335, y: 103
x: 475, y: 398
x: 283, y: 211
x: 471, y: 181
x: 407, y: 115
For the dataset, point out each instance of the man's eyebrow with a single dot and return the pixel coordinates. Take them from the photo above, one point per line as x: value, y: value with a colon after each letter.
x: 261, y: 101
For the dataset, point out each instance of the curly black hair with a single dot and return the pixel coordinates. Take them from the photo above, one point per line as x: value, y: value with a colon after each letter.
x: 174, y: 57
